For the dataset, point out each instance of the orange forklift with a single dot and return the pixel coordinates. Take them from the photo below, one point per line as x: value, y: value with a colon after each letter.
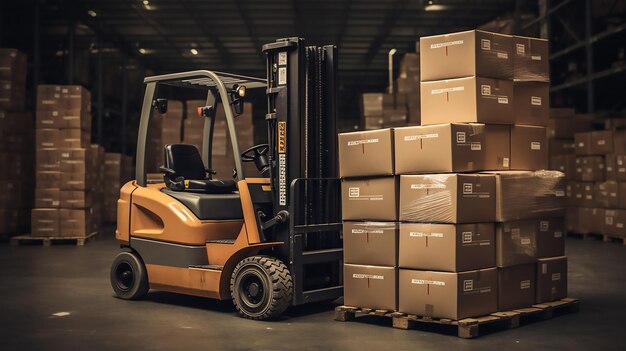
x: 267, y: 241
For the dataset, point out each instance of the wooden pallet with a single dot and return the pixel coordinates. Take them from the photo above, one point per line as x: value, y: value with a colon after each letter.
x: 469, y: 327
x: 49, y: 240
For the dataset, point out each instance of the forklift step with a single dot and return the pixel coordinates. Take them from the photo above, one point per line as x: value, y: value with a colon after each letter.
x: 213, y: 267
x: 221, y: 241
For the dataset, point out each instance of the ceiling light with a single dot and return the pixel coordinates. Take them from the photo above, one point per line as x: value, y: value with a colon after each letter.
x: 92, y: 13
x: 436, y: 7
x: 146, y: 2
x: 193, y: 51
x: 142, y: 51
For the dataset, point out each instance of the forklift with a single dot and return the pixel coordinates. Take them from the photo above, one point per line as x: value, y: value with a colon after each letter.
x: 267, y: 241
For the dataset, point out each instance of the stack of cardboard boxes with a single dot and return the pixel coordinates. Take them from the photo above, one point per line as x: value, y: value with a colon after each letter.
x: 16, y: 153
x: 597, y: 189
x: 402, y: 108
x: 118, y: 169
x: 467, y: 244
x: 165, y: 129
x: 66, y: 165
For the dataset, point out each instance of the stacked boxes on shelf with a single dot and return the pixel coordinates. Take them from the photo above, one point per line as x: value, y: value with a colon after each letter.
x: 66, y: 164
x: 16, y: 135
x: 165, y: 129
x: 479, y: 221
x: 598, y: 187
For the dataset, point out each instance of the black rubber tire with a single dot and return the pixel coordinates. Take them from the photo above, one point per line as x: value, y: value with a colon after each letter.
x: 276, y: 287
x: 128, y: 287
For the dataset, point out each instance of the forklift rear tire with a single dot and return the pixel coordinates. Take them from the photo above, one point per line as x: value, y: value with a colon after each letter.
x: 128, y: 276
x: 261, y: 287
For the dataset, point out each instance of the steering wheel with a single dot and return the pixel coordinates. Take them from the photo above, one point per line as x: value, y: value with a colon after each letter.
x: 254, y: 153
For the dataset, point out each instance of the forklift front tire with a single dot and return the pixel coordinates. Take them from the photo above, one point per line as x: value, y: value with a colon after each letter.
x: 261, y: 287
x: 129, y: 278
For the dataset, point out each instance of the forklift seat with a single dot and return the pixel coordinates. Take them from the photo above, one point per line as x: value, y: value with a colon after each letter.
x: 184, y: 171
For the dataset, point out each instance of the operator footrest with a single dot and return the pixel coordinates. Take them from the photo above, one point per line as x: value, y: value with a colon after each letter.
x: 221, y: 241
x: 213, y: 267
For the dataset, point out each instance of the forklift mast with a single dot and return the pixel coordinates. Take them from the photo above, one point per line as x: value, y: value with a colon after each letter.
x: 301, y: 94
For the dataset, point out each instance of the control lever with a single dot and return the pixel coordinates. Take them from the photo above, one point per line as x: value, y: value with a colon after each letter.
x: 281, y: 217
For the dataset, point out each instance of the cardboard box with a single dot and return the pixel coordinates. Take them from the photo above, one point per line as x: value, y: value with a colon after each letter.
x: 589, y: 168
x: 610, y: 167
x: 448, y: 295
x: 47, y: 138
x: 583, y: 194
x: 582, y: 143
x: 619, y: 141
x: 565, y: 164
x: 65, y: 97
x: 463, y: 54
x: 370, y: 243
x: 75, y: 181
x: 471, y: 99
x: 48, y: 179
x: 562, y: 113
x: 370, y: 286
x: 13, y: 64
x: 12, y: 95
x: 516, y: 242
x: 447, y: 198
x: 48, y: 160
x: 531, y: 59
x: 614, y: 222
x: 550, y: 238
x: 590, y: 220
x: 368, y: 153
x: 602, y: 142
x: 516, y: 287
x: 566, y: 128
x: 528, y: 148
x: 75, y: 160
x: 74, y: 138
x: 620, y: 168
x: 447, y: 247
x: 607, y: 194
x: 45, y: 222
x: 47, y: 197
x: 531, y: 103
x: 561, y: 147
x: 75, y: 199
x: 75, y: 223
x: 551, y: 279
x: 370, y: 199
x: 527, y: 195
x: 451, y: 148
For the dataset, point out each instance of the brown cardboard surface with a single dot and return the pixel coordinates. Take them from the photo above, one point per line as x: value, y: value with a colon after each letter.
x: 583, y: 194
x: 551, y: 279
x: 370, y: 243
x: 45, y: 222
x: 528, y: 148
x: 75, y: 223
x: 369, y: 199
x: 582, y: 143
x: 367, y: 153
x: 550, y: 237
x: 614, y: 222
x: 531, y: 60
x: 48, y: 159
x: 566, y: 128
x: 74, y: 138
x: 607, y: 194
x: 565, y: 164
x: 469, y: 53
x: 75, y: 160
x: 370, y: 286
x: 47, y: 197
x: 561, y: 146
x: 516, y: 287
x: 602, y: 142
x: 446, y: 247
x: 589, y: 168
x: 619, y: 141
x: 527, y: 195
x: 470, y: 99
x: 76, y: 181
x: 516, y: 242
x: 531, y: 103
x: 47, y: 138
x: 75, y: 199
x: 447, y: 198
x: 48, y: 179
x: 620, y: 167
x: 610, y: 167
x: 447, y: 295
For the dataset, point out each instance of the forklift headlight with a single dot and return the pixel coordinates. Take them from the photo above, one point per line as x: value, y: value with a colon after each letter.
x: 240, y: 90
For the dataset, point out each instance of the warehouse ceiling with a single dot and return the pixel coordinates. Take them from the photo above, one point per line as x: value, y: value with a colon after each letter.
x: 173, y: 35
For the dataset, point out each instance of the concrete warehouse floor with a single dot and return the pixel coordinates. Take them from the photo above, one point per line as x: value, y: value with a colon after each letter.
x: 38, y: 282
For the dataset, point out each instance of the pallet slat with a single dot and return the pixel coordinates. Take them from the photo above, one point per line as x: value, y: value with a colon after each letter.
x: 50, y: 240
x: 469, y: 327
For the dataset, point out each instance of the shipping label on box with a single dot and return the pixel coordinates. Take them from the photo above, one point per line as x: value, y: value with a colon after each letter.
x: 368, y: 153
x: 369, y: 199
